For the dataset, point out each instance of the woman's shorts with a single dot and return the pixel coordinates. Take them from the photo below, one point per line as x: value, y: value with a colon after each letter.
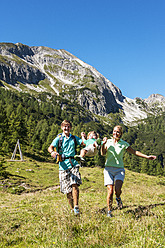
x: 111, y: 174
x: 68, y: 178
x: 91, y: 150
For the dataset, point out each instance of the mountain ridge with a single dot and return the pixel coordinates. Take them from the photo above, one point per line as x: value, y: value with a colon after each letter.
x: 42, y: 69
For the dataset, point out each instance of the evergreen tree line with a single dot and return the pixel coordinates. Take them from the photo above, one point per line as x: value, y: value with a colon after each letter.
x: 149, y: 138
x: 35, y: 121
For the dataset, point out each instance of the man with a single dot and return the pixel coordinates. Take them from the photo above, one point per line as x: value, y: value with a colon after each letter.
x: 69, y: 175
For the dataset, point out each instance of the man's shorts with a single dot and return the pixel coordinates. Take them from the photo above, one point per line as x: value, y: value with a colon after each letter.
x: 91, y: 150
x: 111, y: 174
x: 68, y: 178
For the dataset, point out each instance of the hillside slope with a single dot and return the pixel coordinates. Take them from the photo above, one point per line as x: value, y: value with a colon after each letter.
x: 42, y: 218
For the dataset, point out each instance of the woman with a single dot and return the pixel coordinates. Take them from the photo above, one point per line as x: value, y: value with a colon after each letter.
x: 114, y: 172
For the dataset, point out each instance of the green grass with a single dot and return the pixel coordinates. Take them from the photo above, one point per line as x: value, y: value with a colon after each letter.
x: 40, y: 215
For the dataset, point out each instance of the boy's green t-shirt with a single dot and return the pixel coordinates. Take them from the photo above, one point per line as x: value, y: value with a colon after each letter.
x: 89, y: 141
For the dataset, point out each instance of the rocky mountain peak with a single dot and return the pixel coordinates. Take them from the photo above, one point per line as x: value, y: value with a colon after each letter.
x: 42, y: 69
x: 155, y: 98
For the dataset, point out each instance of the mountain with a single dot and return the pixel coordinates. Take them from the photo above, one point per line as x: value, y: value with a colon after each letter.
x: 42, y: 69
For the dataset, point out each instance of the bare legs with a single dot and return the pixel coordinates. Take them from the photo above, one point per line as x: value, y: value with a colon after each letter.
x: 110, y: 188
x: 109, y: 197
x: 118, y: 186
x: 70, y: 200
x: 73, y: 197
x: 75, y: 193
x: 82, y: 153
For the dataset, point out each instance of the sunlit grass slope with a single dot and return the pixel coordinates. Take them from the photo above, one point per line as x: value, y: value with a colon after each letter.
x: 40, y: 215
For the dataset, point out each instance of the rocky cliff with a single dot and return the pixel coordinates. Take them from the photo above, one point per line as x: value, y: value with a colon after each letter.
x: 42, y: 69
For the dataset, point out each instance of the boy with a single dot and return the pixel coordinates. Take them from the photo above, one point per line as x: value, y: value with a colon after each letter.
x: 69, y: 175
x: 92, y: 145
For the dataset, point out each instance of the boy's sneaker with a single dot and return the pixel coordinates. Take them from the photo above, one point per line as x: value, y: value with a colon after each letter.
x: 119, y: 203
x: 109, y: 214
x: 78, y: 158
x: 76, y: 211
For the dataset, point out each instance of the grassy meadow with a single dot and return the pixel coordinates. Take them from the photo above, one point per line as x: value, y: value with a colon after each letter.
x: 34, y: 213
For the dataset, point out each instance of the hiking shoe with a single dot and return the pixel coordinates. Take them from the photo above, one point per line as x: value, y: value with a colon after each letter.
x: 78, y: 158
x: 109, y: 213
x: 76, y: 211
x: 119, y: 203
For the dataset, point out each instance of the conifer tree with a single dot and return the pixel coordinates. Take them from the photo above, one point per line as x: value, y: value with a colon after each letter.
x: 144, y: 166
x: 3, y: 125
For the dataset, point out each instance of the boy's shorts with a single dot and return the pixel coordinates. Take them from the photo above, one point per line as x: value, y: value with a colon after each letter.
x: 91, y: 150
x: 68, y: 178
x: 111, y: 174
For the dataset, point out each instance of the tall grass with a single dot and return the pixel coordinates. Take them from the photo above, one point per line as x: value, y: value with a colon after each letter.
x: 43, y: 218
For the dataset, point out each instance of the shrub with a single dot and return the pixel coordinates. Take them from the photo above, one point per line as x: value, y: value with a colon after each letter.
x: 3, y: 172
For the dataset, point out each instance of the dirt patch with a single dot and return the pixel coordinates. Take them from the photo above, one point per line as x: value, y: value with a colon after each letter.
x: 137, y: 213
x: 143, y: 210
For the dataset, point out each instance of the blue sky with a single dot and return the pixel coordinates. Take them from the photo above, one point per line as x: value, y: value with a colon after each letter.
x: 123, y: 39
